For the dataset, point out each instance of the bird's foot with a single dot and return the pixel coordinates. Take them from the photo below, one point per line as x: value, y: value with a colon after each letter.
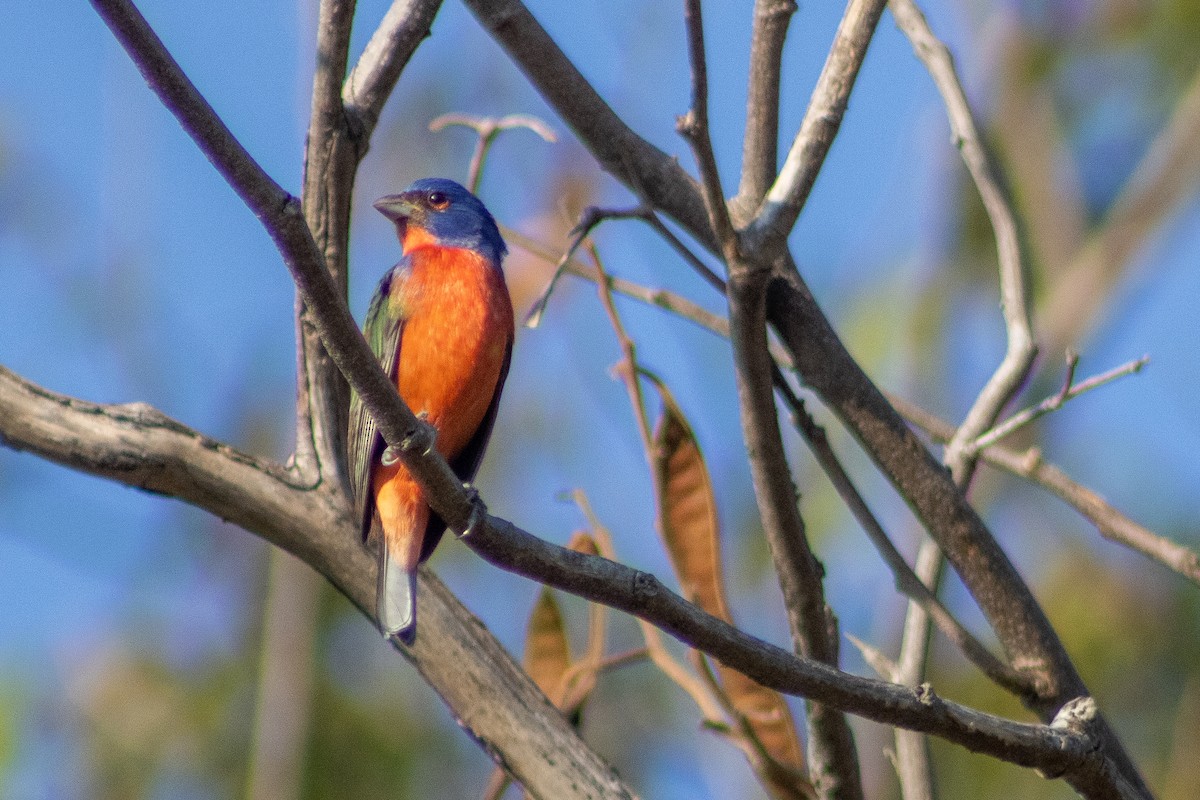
x: 478, y: 512
x: 421, y: 439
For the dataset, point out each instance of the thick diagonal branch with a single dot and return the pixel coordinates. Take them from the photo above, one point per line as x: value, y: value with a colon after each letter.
x: 139, y: 446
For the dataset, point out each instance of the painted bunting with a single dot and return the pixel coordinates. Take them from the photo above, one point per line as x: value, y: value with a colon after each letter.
x: 441, y: 324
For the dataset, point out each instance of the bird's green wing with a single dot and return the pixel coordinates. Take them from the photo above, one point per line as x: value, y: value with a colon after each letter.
x: 383, y: 329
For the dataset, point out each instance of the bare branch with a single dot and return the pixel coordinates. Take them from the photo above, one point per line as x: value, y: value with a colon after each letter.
x: 1054, y: 402
x: 1014, y: 294
x: 1111, y: 523
x: 280, y: 215
x: 321, y: 398
x: 826, y: 107
x: 629, y: 371
x: 760, y: 148
x: 641, y: 594
x: 370, y: 83
x: 1005, y: 381
x: 694, y: 127
x: 833, y: 762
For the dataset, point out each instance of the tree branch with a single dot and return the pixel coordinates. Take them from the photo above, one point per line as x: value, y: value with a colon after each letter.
x: 694, y: 127
x: 137, y: 445
x: 642, y: 595
x: 781, y: 208
x: 321, y: 398
x: 405, y: 25
x: 1069, y: 391
x: 1112, y: 524
x: 760, y: 147
x: 832, y: 760
x: 1020, y: 352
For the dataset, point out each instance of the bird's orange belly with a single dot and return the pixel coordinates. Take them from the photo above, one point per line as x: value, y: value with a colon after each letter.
x: 451, y: 355
x: 457, y: 329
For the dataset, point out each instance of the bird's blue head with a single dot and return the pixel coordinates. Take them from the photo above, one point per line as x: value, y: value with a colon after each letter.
x: 441, y: 212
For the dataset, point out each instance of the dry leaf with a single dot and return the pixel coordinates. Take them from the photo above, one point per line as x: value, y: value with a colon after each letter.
x: 547, y: 654
x: 691, y: 530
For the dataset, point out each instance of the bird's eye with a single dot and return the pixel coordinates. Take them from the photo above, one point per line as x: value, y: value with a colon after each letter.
x: 438, y: 201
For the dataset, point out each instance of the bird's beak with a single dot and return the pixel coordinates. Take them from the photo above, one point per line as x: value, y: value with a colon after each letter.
x: 395, y: 207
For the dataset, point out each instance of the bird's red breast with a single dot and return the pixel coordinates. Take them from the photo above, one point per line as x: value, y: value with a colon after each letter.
x: 458, y: 327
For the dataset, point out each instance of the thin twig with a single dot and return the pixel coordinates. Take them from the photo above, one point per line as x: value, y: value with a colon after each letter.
x: 694, y: 127
x: 1110, y: 522
x: 628, y: 371
x: 1054, y: 402
x: 592, y: 217
x: 487, y: 129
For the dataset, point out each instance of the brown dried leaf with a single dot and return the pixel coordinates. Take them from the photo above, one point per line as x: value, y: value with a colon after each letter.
x: 583, y: 542
x: 547, y: 653
x: 688, y: 521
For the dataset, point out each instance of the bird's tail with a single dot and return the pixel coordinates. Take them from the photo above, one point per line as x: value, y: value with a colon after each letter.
x: 396, y: 598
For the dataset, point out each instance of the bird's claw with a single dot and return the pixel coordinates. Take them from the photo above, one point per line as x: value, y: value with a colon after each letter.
x: 421, y: 438
x: 478, y: 512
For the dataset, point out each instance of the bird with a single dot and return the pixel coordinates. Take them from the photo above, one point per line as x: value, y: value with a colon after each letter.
x: 441, y: 324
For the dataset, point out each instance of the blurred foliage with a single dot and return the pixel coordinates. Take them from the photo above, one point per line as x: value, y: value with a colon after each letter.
x: 145, y: 722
